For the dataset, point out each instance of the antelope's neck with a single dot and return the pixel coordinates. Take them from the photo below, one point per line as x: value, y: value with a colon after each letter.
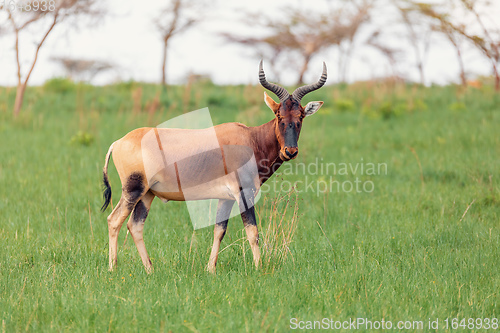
x: 266, y: 149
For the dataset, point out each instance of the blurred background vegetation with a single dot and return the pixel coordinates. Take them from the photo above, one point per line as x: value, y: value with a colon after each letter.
x: 400, y: 32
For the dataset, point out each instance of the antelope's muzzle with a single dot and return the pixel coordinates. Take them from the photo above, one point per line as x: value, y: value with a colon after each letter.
x: 291, y: 152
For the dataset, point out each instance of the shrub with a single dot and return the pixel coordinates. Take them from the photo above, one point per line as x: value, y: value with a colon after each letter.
x: 457, y: 107
x: 82, y: 138
x: 344, y: 105
x: 59, y: 85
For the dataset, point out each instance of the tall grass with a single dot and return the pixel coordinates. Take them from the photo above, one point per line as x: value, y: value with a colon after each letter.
x: 277, y: 225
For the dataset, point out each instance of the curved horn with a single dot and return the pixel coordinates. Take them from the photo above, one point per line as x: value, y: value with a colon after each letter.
x: 279, y: 91
x: 302, y: 91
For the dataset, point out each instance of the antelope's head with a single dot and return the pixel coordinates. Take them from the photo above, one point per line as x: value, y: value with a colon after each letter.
x: 289, y: 112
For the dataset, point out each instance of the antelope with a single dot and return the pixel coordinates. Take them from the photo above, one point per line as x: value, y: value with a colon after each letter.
x: 271, y: 144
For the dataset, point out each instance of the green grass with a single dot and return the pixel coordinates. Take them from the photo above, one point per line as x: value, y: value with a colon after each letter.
x: 409, y: 250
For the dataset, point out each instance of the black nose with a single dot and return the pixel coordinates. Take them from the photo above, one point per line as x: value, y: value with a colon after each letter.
x: 291, y: 152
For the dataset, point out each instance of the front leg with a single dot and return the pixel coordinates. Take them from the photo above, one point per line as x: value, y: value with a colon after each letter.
x: 223, y: 212
x: 246, y: 205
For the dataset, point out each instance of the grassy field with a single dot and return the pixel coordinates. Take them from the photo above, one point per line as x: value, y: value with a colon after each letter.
x: 423, y: 244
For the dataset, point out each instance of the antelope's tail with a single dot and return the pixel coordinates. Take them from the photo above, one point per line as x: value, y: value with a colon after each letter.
x: 107, y: 188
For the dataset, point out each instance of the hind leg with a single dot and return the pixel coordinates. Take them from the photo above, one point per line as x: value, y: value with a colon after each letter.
x: 136, y: 225
x: 115, y: 221
x: 132, y: 191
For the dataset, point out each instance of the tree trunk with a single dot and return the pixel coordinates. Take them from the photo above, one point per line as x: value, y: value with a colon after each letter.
x: 347, y: 58
x: 497, y: 82
x: 341, y: 62
x: 21, y: 88
x: 462, y: 68
x: 420, y: 66
x: 497, y: 76
x: 164, y: 65
x: 463, y: 78
x: 303, y: 70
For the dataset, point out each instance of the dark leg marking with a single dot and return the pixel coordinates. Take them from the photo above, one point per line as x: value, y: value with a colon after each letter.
x: 249, y: 220
x: 248, y: 217
x: 247, y: 210
x: 134, y: 189
x: 243, y: 198
x: 140, y: 212
x: 222, y: 225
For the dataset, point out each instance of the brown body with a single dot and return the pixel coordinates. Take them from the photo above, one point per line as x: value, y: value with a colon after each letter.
x: 142, y: 160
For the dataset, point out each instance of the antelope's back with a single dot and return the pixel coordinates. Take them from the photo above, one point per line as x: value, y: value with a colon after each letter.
x: 185, y: 164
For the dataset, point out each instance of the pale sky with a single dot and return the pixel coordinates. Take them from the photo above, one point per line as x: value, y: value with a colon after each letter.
x: 128, y: 39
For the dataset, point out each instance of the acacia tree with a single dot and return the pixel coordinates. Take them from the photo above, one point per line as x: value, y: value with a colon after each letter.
x: 268, y: 48
x: 418, y: 34
x: 487, y: 40
x: 82, y: 69
x: 446, y: 28
x: 441, y: 22
x: 306, y: 33
x: 23, y: 15
x: 176, y: 18
x: 351, y: 20
x: 391, y: 53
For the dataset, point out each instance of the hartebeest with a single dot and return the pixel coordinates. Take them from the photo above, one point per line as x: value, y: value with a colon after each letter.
x: 270, y: 144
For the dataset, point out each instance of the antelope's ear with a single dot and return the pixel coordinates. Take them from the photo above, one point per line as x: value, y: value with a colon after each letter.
x: 271, y: 103
x: 312, y: 107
